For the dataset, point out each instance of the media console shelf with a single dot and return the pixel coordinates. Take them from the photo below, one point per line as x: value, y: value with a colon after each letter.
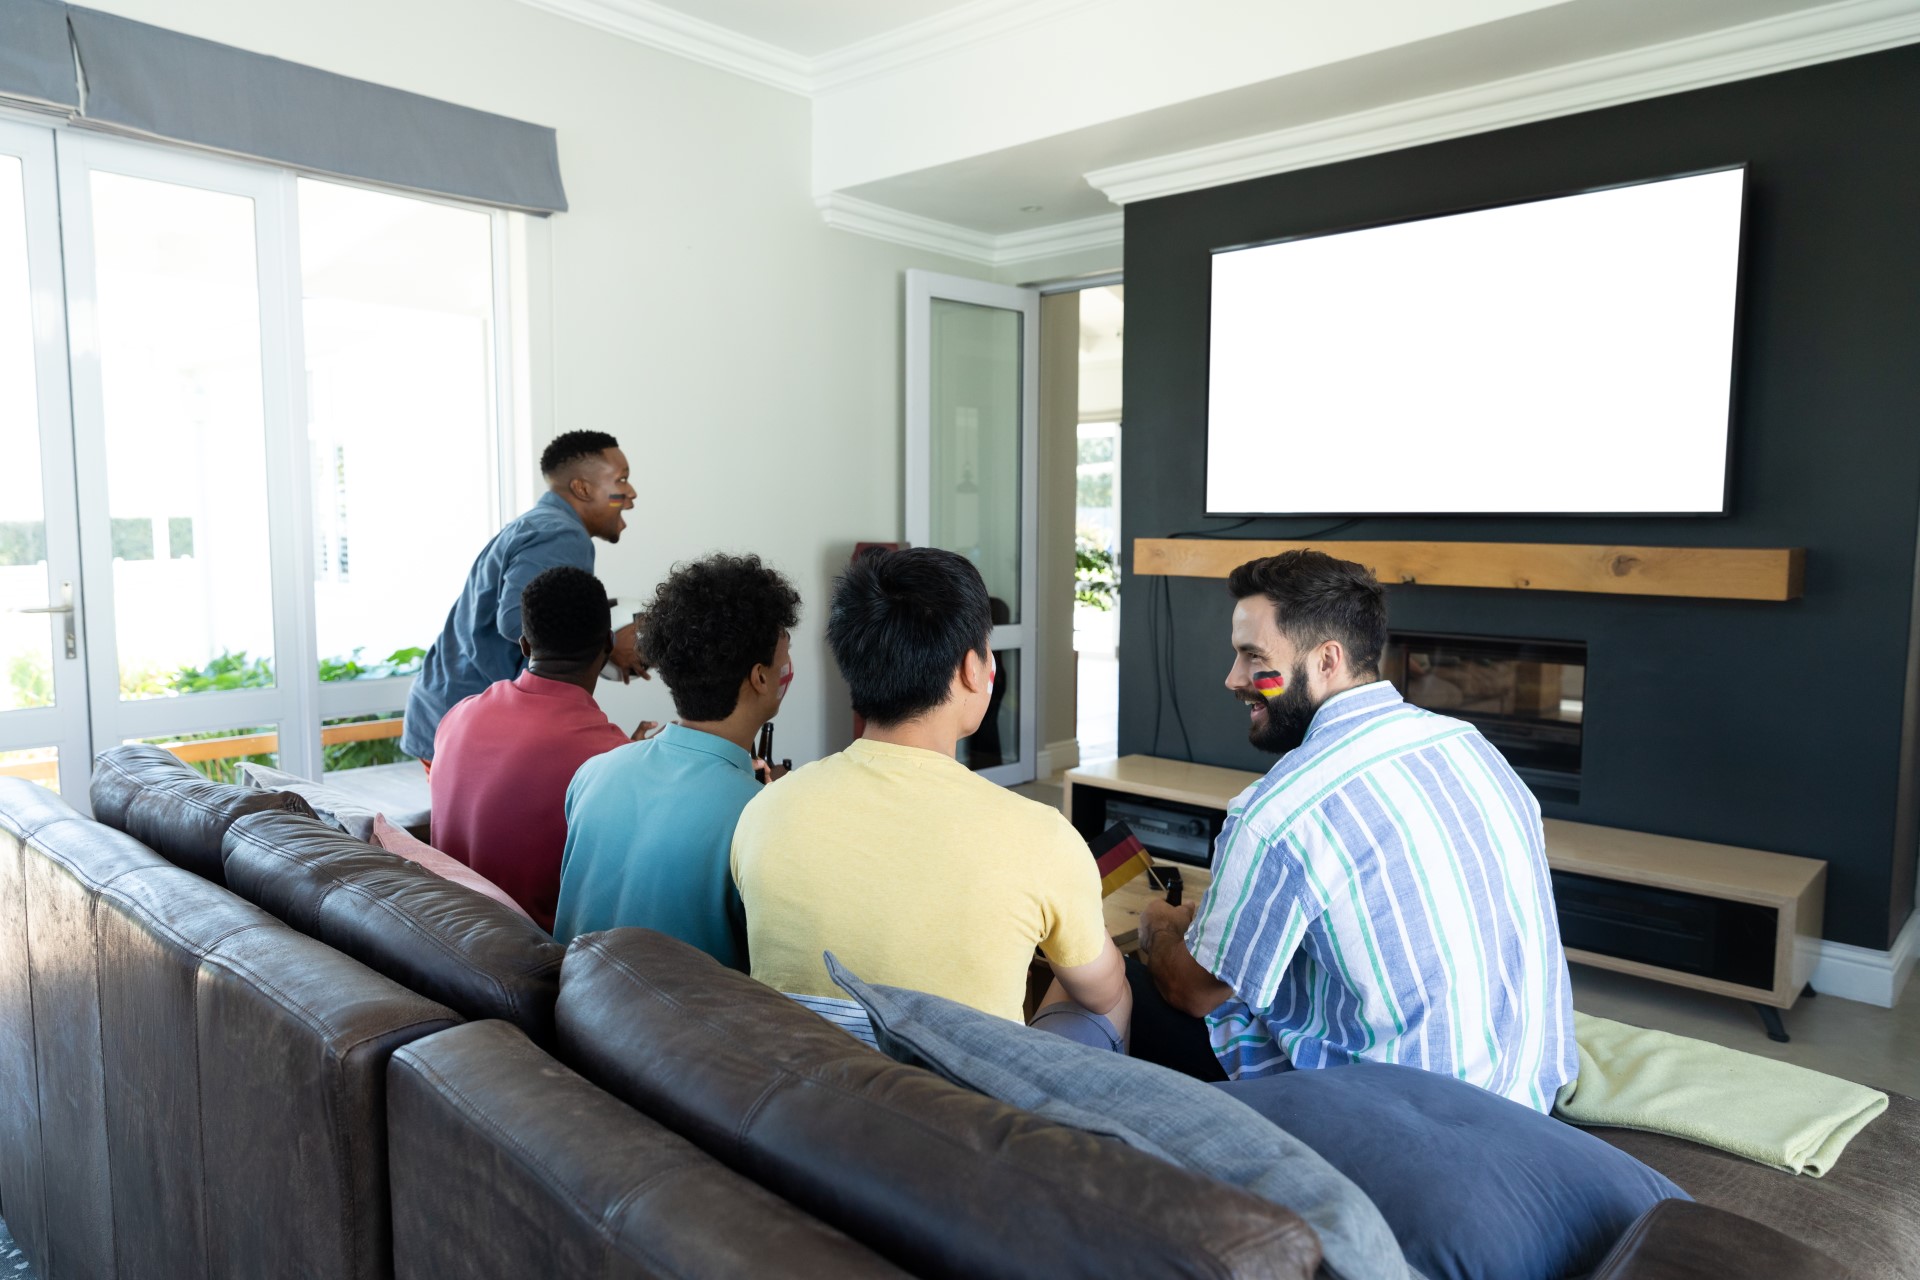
x: 1733, y: 922
x: 1717, y: 573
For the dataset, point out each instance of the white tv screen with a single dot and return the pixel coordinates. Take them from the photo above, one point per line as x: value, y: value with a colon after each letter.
x: 1565, y: 356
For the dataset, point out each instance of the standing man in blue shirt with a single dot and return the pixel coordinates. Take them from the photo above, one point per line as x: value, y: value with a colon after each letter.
x: 587, y: 497
x: 650, y: 825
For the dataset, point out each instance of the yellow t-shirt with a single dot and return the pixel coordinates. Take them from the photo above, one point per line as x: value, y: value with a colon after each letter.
x: 915, y: 872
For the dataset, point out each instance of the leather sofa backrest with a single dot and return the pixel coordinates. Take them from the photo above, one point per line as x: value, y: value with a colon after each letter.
x: 505, y: 1165
x: 174, y: 810
x: 1686, y: 1240
x: 939, y: 1180
x: 210, y: 1083
x: 53, y: 1139
x: 474, y: 955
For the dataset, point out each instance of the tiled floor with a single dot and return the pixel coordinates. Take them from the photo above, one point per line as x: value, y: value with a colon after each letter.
x: 1859, y: 1042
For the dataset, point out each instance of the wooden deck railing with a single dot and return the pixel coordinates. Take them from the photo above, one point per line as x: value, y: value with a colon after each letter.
x: 199, y: 750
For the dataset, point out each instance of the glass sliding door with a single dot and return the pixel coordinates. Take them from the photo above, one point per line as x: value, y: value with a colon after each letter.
x: 971, y: 483
x: 43, y: 694
x: 254, y: 427
x: 402, y: 371
x: 189, y: 441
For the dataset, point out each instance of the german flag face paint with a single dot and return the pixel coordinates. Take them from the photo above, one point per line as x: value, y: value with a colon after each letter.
x: 1269, y: 684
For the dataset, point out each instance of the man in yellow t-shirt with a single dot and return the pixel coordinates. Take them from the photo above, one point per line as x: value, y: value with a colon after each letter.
x: 914, y: 871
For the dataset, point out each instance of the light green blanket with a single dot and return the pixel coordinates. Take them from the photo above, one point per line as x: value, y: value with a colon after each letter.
x: 1772, y: 1112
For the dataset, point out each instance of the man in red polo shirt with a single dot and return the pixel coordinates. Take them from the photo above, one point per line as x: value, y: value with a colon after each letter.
x: 502, y: 758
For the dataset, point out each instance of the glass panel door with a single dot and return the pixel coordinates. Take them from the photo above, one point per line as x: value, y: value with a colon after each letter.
x: 398, y: 297
x: 43, y: 695
x: 186, y: 428
x: 972, y: 455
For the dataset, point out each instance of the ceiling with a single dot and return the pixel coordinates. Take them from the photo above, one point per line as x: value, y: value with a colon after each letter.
x: 1008, y: 132
x: 812, y: 27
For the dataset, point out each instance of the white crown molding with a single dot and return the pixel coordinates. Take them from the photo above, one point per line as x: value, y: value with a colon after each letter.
x: 1860, y: 973
x: 662, y: 27
x: 1735, y: 53
x: 1107, y: 230
x: 935, y: 36
x: 692, y: 38
x: 863, y: 217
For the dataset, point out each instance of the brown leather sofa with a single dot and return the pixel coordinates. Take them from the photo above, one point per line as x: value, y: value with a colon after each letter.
x: 348, y: 1127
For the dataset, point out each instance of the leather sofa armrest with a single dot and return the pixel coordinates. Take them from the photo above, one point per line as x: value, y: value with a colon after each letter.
x: 1686, y: 1240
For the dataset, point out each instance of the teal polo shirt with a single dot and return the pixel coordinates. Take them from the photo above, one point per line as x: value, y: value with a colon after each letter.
x: 649, y: 837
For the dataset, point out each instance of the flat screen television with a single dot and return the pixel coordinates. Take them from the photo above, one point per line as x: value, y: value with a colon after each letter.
x: 1567, y: 356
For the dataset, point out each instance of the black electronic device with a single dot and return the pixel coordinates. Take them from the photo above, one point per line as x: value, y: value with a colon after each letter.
x: 765, y: 754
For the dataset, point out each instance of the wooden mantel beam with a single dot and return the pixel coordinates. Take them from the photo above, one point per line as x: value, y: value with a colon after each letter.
x: 1713, y: 573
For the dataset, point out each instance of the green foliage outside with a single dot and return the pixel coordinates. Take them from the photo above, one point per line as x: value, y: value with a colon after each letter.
x: 30, y: 680
x: 32, y: 683
x: 1096, y: 572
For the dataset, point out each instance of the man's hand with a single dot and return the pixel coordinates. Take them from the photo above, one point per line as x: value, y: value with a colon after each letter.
x: 626, y: 654
x: 769, y: 772
x: 647, y: 729
x: 1180, y: 979
x: 1157, y: 917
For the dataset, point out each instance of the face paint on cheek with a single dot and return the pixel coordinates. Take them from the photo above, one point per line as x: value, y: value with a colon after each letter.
x: 1269, y: 684
x: 786, y: 678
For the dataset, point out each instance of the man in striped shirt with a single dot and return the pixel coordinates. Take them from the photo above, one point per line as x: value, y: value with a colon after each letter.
x: 1382, y: 893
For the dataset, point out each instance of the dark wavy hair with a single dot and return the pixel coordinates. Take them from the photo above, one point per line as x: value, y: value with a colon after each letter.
x: 711, y: 622
x: 1316, y: 597
x: 900, y: 624
x: 563, y: 614
x: 571, y: 446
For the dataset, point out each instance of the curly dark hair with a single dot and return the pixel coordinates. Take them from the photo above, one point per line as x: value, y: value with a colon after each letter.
x: 571, y: 446
x: 563, y: 614
x: 1316, y: 597
x: 901, y: 623
x: 711, y: 622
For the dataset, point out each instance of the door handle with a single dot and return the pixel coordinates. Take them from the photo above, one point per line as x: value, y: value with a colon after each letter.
x: 66, y: 607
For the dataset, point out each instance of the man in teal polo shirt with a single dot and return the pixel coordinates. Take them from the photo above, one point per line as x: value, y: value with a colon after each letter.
x: 650, y: 825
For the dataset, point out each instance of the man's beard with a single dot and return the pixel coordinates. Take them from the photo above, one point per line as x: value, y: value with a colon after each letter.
x: 1285, y: 725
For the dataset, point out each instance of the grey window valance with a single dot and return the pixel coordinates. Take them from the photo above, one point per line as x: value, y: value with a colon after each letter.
x: 36, y: 58
x: 153, y: 83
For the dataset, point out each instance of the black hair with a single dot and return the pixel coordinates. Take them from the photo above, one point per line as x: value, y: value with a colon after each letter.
x: 900, y: 625
x: 563, y: 614
x: 571, y: 446
x: 711, y: 622
x: 1316, y: 597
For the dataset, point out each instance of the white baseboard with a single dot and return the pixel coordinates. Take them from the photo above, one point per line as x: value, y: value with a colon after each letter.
x: 1860, y: 973
x: 1056, y: 756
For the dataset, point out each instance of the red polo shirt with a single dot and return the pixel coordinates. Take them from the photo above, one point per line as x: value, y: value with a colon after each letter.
x: 502, y: 760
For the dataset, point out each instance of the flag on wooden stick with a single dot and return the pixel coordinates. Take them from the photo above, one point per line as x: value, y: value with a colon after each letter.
x: 1119, y: 855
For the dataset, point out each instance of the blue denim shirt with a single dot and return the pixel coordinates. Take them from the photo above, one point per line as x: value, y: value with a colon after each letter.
x: 481, y: 641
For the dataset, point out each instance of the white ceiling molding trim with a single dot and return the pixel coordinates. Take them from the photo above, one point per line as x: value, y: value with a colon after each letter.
x: 934, y: 36
x: 655, y: 24
x: 1103, y: 232
x: 862, y: 217
x: 1735, y: 53
x: 691, y: 38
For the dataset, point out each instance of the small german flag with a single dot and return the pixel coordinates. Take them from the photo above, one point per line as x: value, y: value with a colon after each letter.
x: 1269, y: 684
x: 1119, y: 855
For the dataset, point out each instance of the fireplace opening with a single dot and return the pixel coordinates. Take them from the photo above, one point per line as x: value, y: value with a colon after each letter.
x: 1527, y: 697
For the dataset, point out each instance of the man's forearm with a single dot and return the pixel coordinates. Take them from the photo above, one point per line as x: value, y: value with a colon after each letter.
x: 1179, y: 978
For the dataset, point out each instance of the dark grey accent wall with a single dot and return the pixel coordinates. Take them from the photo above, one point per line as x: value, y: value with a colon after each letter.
x: 1772, y: 726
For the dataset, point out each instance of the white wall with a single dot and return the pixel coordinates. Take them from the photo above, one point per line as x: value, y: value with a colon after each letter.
x: 747, y: 357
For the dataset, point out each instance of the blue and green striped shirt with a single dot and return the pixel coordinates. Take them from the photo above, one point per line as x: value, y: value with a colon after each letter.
x: 1382, y: 894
